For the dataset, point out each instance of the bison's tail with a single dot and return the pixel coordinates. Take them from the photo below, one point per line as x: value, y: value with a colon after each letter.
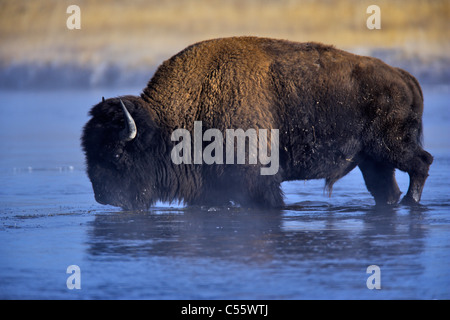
x: 420, y: 136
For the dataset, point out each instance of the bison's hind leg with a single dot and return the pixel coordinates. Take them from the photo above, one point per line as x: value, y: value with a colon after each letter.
x: 380, y: 181
x: 417, y: 169
x: 263, y: 192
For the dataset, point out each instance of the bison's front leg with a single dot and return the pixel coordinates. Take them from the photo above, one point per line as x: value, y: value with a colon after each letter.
x: 262, y: 192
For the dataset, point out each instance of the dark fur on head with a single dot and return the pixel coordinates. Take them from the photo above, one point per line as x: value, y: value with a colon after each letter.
x: 121, y: 172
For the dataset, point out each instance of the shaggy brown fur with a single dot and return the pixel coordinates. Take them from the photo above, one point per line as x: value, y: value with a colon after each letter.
x: 334, y: 111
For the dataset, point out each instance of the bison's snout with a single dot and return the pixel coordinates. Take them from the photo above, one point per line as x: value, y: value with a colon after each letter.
x: 105, y: 196
x: 119, y: 199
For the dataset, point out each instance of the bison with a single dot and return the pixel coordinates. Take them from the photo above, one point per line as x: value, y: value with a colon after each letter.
x: 333, y: 110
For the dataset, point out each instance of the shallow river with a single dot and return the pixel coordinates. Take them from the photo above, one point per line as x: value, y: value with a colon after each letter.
x: 317, y: 248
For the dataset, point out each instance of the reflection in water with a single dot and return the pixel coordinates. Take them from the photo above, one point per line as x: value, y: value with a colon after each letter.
x: 314, y: 232
x: 314, y: 251
x: 188, y: 233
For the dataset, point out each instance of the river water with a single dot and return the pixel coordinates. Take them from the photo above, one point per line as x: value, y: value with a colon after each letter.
x: 317, y: 248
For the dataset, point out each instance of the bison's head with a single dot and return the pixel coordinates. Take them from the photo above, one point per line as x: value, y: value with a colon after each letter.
x: 120, y: 142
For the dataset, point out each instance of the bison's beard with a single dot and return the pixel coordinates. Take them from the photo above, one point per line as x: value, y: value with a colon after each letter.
x: 125, y: 202
x: 126, y: 197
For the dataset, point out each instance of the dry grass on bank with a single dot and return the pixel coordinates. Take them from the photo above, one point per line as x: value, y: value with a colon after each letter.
x: 148, y: 31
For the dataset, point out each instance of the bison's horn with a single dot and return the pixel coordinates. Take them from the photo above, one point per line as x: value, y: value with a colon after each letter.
x: 130, y: 131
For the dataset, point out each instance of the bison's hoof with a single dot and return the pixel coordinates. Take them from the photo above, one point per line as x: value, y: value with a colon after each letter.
x: 409, y: 201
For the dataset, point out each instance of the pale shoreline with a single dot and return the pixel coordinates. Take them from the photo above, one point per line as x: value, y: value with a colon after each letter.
x: 122, y: 43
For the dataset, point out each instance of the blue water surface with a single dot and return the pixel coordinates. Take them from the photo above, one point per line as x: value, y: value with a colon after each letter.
x: 319, y: 247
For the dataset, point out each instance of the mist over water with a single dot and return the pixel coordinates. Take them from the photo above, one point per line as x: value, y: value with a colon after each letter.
x: 318, y: 247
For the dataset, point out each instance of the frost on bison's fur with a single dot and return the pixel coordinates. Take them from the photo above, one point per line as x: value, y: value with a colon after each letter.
x: 333, y: 110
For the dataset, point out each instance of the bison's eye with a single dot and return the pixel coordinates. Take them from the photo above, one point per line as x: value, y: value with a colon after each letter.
x: 117, y: 155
